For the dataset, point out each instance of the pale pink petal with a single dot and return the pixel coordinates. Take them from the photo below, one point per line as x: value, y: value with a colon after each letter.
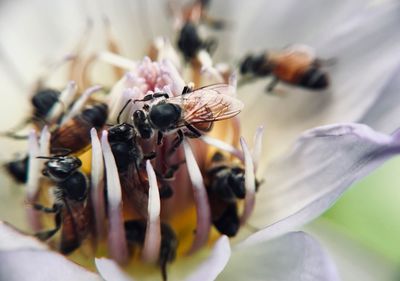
x: 294, y: 256
x: 25, y: 258
x: 214, y: 264
x: 110, y: 270
x: 322, y: 164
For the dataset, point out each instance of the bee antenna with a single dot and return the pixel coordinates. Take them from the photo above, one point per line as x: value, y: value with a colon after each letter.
x: 47, y: 157
x: 122, y: 110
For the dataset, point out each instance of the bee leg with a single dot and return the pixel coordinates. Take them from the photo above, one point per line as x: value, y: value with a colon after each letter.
x: 150, y: 155
x: 159, y: 137
x: 160, y: 95
x: 272, y: 85
x: 194, y: 133
x: 153, y: 96
x: 169, y: 244
x: 177, y: 142
x: 169, y: 174
x: 44, y: 209
x: 187, y: 89
x: 44, y: 235
x: 165, y: 191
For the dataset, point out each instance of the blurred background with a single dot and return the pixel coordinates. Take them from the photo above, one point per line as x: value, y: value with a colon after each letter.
x: 362, y: 230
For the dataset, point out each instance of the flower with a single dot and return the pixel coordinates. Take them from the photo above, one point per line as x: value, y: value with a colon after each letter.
x: 317, y: 188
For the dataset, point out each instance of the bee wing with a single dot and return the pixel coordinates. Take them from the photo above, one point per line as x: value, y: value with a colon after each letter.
x: 75, y: 225
x: 208, y: 104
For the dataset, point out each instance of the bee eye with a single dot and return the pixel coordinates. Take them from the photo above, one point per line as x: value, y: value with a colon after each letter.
x: 56, y: 174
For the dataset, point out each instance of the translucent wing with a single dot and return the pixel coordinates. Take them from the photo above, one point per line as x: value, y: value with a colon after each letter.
x: 208, y: 104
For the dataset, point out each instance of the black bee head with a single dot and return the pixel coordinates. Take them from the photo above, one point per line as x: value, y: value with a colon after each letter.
x: 96, y: 115
x: 165, y: 115
x: 121, y: 132
x: 60, y: 168
x: 43, y: 101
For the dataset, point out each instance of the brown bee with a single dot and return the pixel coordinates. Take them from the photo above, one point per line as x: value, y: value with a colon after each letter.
x: 225, y: 186
x: 295, y: 65
x: 74, y: 134
x: 72, y: 213
x: 189, y: 114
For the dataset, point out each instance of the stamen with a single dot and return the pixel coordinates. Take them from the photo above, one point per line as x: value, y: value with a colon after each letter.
x: 127, y: 94
x: 204, y: 58
x: 66, y: 98
x: 44, y: 143
x: 127, y: 81
x: 116, y: 60
x: 152, y: 241
x: 212, y: 267
x: 80, y: 103
x: 200, y: 198
x: 177, y: 82
x: 166, y: 51
x: 116, y: 234
x: 223, y: 146
x: 257, y: 148
x: 249, y: 182
x: 97, y: 184
x: 213, y: 73
x: 233, y: 82
x: 32, y: 185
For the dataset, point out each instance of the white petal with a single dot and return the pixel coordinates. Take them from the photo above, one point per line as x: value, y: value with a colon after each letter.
x: 295, y: 256
x: 110, y: 270
x: 383, y: 115
x: 33, y: 265
x: 12, y: 239
x: 267, y: 24
x: 25, y: 258
x: 216, y: 262
x: 323, y: 163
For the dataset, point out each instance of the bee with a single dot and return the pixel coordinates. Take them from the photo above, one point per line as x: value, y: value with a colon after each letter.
x: 129, y: 158
x: 225, y: 186
x: 72, y: 213
x: 188, y: 115
x: 42, y: 102
x: 74, y: 135
x: 190, y: 43
x: 295, y: 65
x: 135, y: 231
